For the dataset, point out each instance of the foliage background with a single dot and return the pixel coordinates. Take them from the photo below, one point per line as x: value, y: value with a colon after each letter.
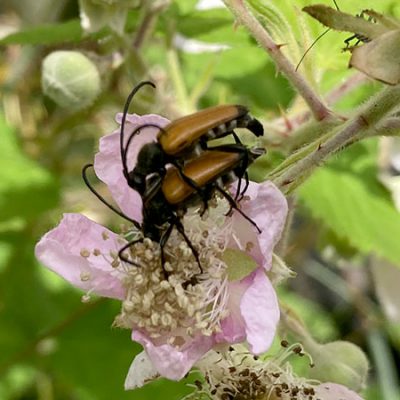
x: 345, y: 240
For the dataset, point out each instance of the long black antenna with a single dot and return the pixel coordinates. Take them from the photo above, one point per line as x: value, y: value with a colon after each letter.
x: 311, y: 46
x: 102, y: 199
x: 126, y: 107
x: 316, y: 40
x: 129, y: 141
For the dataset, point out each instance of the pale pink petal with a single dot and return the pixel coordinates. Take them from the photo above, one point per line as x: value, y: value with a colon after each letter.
x: 233, y: 327
x: 60, y: 250
x: 243, y: 233
x: 140, y: 372
x: 108, y: 164
x: 268, y: 208
x: 260, y: 311
x: 334, y: 391
x: 170, y: 362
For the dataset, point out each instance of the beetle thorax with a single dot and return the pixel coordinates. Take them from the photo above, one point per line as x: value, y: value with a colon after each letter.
x: 151, y: 158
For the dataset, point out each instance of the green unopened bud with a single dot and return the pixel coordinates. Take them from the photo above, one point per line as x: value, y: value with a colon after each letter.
x: 70, y: 79
x: 340, y: 362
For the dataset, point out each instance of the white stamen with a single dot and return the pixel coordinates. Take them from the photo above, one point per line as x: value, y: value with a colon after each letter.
x: 85, y: 253
x: 85, y: 276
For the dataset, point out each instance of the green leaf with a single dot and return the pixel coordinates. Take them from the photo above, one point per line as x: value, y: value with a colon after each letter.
x: 230, y: 63
x: 185, y: 6
x: 341, y: 21
x: 26, y: 189
x: 64, y: 32
x: 348, y: 198
x: 204, y: 22
x: 275, y: 21
x: 239, y: 264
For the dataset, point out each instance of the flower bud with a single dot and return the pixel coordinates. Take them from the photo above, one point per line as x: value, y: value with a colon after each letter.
x: 340, y: 362
x: 70, y: 79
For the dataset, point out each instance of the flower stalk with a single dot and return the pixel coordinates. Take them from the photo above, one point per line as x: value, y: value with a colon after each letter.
x: 301, y: 164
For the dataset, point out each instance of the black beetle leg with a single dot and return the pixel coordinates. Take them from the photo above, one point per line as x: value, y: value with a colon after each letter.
x: 102, y: 199
x: 234, y: 206
x: 181, y: 230
x: 200, y: 191
x: 124, y: 258
x: 163, y: 242
x: 246, y: 178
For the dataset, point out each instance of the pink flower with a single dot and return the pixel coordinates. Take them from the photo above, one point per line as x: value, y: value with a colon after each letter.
x: 176, y: 323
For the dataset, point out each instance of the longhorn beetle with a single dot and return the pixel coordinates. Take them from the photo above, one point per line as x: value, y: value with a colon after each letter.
x: 190, y: 179
x: 182, y: 139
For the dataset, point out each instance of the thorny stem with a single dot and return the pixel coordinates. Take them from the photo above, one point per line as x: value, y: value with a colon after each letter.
x: 148, y: 21
x: 286, y: 126
x: 243, y: 16
x: 356, y: 128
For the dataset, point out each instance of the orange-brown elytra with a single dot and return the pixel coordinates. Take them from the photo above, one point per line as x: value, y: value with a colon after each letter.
x: 181, y: 135
x: 205, y: 171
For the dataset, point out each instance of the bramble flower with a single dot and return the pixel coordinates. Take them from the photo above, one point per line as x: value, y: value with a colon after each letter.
x: 176, y: 320
x: 237, y: 374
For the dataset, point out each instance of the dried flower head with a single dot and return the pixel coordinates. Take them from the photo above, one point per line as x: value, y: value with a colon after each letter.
x: 238, y: 375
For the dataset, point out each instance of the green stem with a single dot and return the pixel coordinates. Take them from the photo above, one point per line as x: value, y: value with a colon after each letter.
x: 388, y: 127
x: 384, y: 365
x: 178, y: 82
x: 148, y: 21
x: 243, y: 16
x: 354, y: 129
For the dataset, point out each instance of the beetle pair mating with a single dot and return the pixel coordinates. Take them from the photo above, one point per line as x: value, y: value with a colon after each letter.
x: 180, y: 169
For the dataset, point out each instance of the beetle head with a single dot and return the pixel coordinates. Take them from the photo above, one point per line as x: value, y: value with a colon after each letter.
x: 151, y: 159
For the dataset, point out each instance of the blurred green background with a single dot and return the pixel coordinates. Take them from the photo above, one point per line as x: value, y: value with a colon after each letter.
x: 345, y: 240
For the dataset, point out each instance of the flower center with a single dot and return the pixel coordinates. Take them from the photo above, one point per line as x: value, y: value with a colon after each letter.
x: 186, y: 302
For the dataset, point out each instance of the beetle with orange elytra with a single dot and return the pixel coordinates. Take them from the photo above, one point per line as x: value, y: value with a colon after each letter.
x: 182, y: 139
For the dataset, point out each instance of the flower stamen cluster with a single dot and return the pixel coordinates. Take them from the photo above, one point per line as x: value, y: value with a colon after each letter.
x: 187, y: 302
